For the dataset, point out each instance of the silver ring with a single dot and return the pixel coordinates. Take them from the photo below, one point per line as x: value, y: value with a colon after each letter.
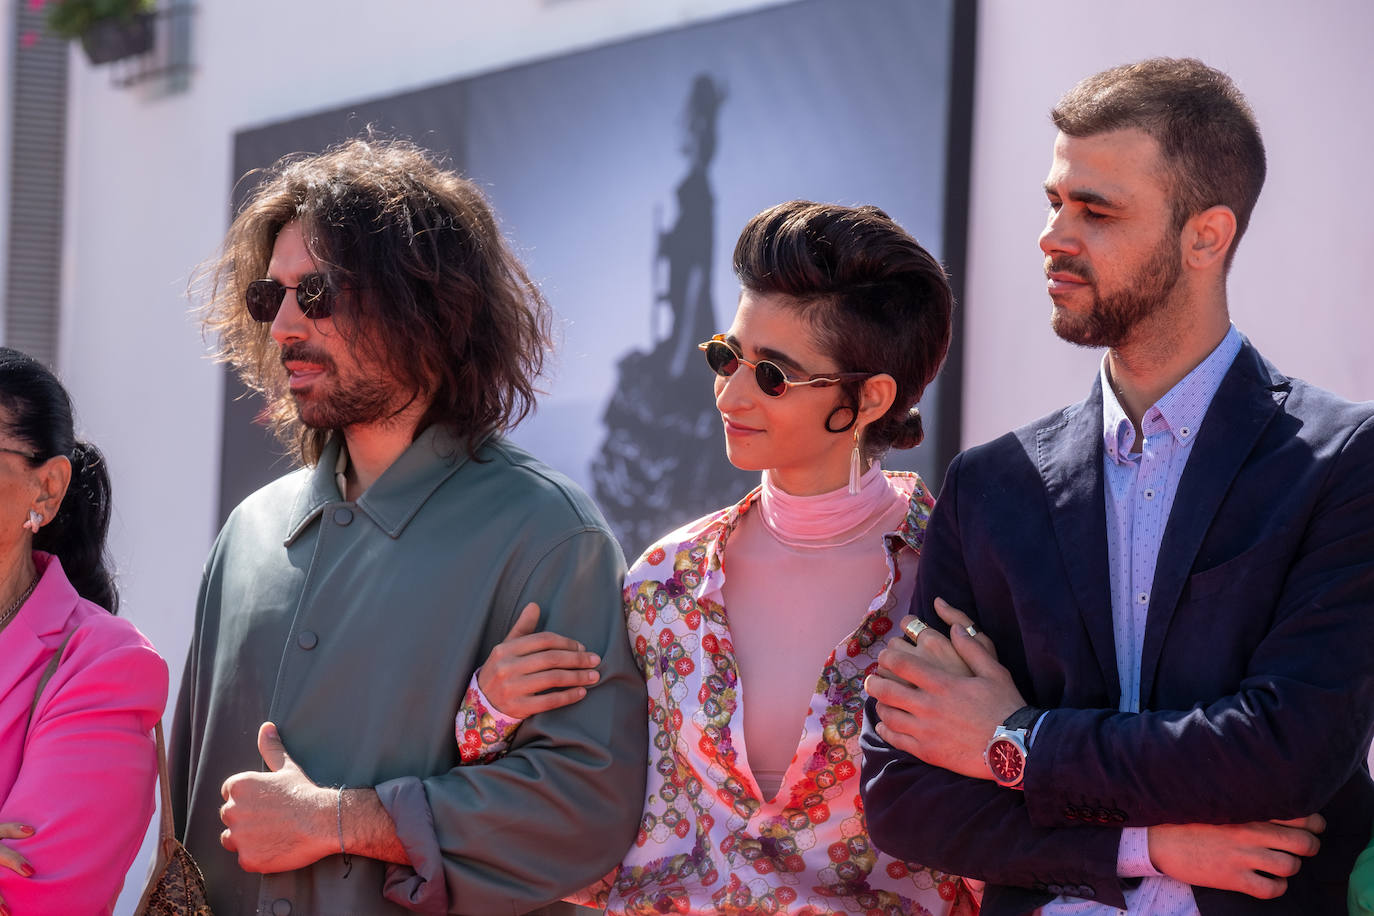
x: 914, y: 628
x: 971, y: 630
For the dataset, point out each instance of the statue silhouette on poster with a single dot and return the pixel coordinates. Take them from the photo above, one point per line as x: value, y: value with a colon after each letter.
x: 663, y: 459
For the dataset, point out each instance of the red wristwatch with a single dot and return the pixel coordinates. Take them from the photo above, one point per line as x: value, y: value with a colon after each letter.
x: 1006, y: 753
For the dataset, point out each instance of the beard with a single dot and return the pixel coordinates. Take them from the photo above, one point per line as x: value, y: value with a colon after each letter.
x: 1114, y: 316
x: 340, y: 401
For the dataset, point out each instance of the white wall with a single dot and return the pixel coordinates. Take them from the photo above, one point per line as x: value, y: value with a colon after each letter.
x: 1301, y: 278
x: 149, y: 187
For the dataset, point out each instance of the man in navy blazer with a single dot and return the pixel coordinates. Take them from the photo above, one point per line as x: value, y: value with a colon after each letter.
x: 1177, y: 573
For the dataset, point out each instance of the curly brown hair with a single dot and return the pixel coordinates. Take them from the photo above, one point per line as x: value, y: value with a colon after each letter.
x: 875, y: 300
x: 437, y: 297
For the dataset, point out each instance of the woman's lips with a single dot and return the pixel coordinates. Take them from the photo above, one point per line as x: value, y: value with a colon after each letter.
x: 735, y: 428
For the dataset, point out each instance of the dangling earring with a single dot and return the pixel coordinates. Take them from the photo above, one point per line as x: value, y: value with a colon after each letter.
x: 855, y: 472
x: 35, y: 521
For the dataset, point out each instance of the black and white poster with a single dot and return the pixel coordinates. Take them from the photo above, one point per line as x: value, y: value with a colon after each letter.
x: 622, y: 176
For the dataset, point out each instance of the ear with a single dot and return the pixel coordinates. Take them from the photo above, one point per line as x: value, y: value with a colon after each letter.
x: 1207, y: 237
x: 876, y: 397
x: 54, y: 476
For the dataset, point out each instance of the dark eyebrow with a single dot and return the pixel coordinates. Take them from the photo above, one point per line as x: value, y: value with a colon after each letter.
x: 782, y: 359
x: 774, y: 356
x: 1085, y: 196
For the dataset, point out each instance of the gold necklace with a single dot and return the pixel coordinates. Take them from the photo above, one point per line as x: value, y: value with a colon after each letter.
x: 18, y: 602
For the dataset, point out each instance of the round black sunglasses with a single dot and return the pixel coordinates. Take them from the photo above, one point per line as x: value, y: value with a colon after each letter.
x: 313, y: 296
x: 770, y: 378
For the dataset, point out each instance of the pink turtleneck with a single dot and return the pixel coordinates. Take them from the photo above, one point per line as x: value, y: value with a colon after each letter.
x: 800, y: 573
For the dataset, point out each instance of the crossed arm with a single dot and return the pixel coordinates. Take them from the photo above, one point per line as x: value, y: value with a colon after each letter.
x: 281, y: 820
x: 940, y: 700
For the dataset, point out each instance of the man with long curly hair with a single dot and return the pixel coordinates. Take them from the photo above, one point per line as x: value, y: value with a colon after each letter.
x: 368, y: 295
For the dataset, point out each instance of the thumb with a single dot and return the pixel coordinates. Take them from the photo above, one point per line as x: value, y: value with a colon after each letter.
x: 271, y: 748
x: 526, y: 623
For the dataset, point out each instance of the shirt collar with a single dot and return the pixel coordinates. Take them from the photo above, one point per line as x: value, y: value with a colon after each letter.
x: 394, y: 498
x: 1180, y: 411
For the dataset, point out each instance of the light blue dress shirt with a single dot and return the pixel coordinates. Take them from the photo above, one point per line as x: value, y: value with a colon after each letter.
x: 1139, y: 486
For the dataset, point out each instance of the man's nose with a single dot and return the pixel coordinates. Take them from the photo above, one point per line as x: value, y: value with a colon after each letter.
x: 1057, y: 236
x: 290, y: 322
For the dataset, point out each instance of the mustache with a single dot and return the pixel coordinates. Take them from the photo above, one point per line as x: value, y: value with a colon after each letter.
x: 1070, y: 265
x: 302, y: 352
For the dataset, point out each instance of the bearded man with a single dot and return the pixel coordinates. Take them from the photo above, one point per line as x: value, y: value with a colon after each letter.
x: 368, y: 294
x: 1177, y: 572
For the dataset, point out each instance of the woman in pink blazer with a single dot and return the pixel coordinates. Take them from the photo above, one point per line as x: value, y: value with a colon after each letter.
x: 80, y: 689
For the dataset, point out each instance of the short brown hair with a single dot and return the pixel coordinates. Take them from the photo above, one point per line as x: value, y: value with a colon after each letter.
x: 877, y: 301
x: 1211, y: 143
x: 439, y: 299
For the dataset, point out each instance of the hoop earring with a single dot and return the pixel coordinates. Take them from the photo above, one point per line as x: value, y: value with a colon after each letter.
x: 855, y: 471
x: 853, y: 418
x: 35, y: 521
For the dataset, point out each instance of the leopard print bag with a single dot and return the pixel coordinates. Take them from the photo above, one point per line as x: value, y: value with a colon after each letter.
x: 175, y: 885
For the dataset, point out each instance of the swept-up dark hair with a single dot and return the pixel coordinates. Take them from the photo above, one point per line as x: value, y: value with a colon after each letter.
x: 430, y: 290
x: 1211, y: 144
x: 38, y: 412
x: 875, y: 299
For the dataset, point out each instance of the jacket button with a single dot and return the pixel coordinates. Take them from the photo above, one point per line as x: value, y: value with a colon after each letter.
x: 342, y: 516
x: 307, y: 641
x: 281, y: 907
x: 1070, y: 813
x: 1102, y: 816
x: 1037, y: 886
x: 1118, y: 817
x: 1086, y: 892
x: 1055, y: 889
x: 1085, y: 813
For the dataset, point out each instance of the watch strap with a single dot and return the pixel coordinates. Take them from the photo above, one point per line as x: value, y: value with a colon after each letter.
x: 1024, y: 718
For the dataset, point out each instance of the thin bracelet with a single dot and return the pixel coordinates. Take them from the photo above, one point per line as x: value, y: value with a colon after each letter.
x: 348, y: 860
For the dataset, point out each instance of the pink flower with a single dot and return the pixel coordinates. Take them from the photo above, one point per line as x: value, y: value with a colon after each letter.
x: 29, y: 38
x: 36, y: 5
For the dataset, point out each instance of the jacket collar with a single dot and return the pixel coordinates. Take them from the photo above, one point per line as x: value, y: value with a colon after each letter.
x: 1069, y: 454
x: 1248, y: 398
x: 52, y: 602
x: 394, y: 499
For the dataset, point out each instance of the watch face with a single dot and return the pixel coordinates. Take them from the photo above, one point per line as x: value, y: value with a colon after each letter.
x: 1007, y: 761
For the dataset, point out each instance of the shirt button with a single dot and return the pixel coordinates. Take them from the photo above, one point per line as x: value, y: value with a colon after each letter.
x: 1184, y: 431
x: 307, y: 641
x: 1149, y: 494
x: 343, y: 516
x: 1142, y: 598
x: 281, y: 907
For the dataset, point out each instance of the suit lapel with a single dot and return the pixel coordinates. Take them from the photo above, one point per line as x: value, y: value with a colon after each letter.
x: 1070, y: 460
x: 1246, y: 401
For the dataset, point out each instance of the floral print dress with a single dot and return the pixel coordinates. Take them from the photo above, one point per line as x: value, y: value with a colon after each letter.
x: 708, y: 842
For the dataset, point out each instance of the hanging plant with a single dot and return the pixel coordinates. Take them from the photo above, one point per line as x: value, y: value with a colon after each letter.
x: 76, y: 18
x: 108, y: 29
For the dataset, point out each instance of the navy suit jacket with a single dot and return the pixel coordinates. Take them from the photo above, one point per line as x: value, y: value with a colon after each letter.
x: 1257, y: 678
